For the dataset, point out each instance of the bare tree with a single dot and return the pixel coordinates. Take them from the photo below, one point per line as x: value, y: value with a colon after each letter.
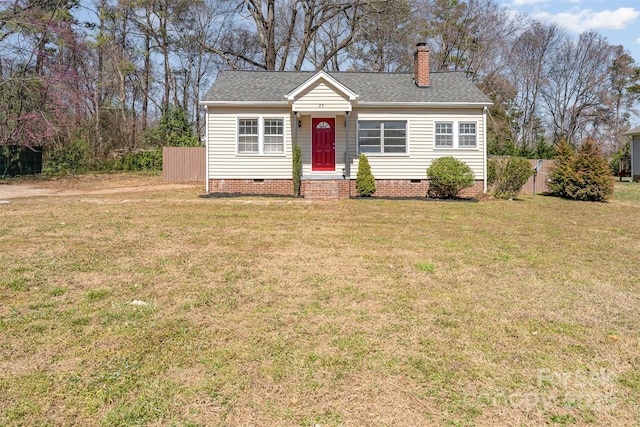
x: 577, y: 80
x: 288, y: 34
x: 528, y: 64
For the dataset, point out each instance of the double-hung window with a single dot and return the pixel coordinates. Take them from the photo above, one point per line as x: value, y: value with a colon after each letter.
x: 248, y: 136
x: 467, y: 135
x: 444, y: 134
x: 456, y: 135
x: 273, y: 136
x: 376, y: 136
x: 261, y: 135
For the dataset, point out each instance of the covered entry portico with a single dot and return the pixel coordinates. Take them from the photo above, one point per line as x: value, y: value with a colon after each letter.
x: 321, y: 108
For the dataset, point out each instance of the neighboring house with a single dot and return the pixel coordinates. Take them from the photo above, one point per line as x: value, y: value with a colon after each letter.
x: 635, y: 153
x: 402, y: 122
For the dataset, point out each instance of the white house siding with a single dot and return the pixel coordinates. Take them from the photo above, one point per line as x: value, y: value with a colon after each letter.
x: 420, y: 135
x: 225, y: 163
x: 223, y: 160
x: 321, y: 97
x: 635, y: 155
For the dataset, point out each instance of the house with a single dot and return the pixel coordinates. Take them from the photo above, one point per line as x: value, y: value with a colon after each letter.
x: 401, y: 121
x: 635, y: 153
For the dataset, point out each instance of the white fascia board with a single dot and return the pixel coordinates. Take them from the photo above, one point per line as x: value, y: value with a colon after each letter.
x: 321, y: 75
x: 244, y: 103
x: 426, y: 104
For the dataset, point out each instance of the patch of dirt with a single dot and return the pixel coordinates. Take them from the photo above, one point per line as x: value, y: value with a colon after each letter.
x: 85, y: 185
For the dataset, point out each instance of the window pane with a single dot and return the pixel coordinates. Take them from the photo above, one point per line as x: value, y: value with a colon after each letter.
x: 273, y: 127
x: 467, y: 136
x: 394, y: 149
x: 467, y: 140
x: 467, y: 128
x: 382, y: 137
x: 395, y: 125
x: 444, y: 141
x: 369, y: 149
x: 394, y: 141
x: 248, y: 136
x: 369, y: 125
x: 273, y: 144
x: 369, y: 141
x: 391, y: 133
x: 248, y: 127
x: 444, y: 128
x: 248, y: 144
x: 444, y: 134
x: 369, y: 134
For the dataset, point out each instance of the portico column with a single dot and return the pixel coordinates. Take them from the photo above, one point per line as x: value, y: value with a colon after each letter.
x: 347, y: 167
x: 294, y: 125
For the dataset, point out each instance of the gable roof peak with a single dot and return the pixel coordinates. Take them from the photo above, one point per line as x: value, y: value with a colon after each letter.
x: 322, y: 75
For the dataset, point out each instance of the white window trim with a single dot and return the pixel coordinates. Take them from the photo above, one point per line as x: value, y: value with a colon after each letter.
x: 261, y: 119
x: 456, y: 135
x: 381, y: 154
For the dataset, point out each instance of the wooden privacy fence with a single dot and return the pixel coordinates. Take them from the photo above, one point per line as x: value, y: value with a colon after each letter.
x: 541, y: 179
x: 183, y: 164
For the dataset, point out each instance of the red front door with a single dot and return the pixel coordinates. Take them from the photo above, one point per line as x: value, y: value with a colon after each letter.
x: 323, y: 145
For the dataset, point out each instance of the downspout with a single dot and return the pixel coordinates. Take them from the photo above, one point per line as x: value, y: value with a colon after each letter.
x: 633, y: 138
x: 206, y: 149
x: 295, y: 128
x: 347, y: 165
x: 484, y: 155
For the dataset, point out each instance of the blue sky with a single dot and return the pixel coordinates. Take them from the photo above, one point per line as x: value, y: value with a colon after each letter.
x: 617, y: 20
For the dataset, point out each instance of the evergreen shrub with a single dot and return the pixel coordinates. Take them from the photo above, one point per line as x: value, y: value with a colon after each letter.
x: 507, y: 175
x: 365, y: 181
x: 297, y: 169
x: 582, y: 175
x: 448, y: 176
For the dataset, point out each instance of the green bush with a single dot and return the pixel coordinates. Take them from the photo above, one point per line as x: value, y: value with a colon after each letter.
x: 592, y: 180
x: 297, y: 169
x: 562, y: 172
x: 150, y: 160
x: 73, y: 158
x: 365, y: 181
x: 582, y: 175
x: 506, y: 176
x: 448, y: 176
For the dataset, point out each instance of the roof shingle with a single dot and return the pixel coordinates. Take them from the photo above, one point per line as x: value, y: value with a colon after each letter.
x: 373, y: 88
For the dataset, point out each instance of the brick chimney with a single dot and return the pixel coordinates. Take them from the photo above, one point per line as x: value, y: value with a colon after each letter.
x: 421, y: 65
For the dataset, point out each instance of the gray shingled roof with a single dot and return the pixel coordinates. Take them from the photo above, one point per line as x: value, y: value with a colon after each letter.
x: 272, y: 86
x: 634, y: 131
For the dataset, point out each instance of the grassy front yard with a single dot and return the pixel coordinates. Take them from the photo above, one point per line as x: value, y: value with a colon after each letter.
x: 280, y: 312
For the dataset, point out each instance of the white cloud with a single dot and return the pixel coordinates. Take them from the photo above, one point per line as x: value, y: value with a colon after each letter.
x: 637, y: 41
x: 587, y: 19
x: 528, y: 2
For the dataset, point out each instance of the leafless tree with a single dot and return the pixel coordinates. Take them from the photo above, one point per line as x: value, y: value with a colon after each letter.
x: 577, y: 80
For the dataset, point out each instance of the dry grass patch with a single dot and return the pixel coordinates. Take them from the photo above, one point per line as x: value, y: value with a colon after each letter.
x: 280, y: 312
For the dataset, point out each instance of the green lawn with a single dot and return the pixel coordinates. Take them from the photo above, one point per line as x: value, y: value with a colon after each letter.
x: 282, y: 312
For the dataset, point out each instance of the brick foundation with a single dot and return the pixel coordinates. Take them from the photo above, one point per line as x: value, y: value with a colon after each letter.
x: 400, y: 188
x: 275, y: 187
x: 330, y: 189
